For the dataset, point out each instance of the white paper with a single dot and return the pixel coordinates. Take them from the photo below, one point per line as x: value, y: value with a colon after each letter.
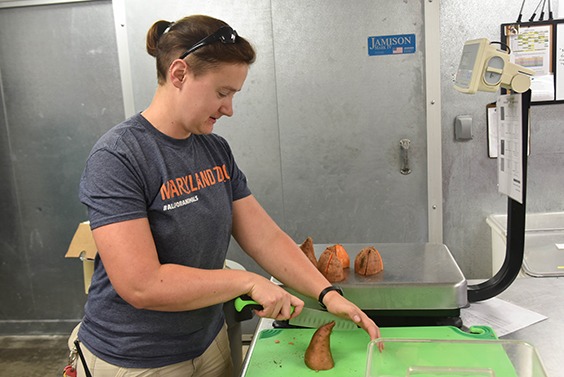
x: 502, y: 316
x: 492, y: 132
x: 560, y: 62
x: 510, y: 141
x: 542, y: 88
x: 530, y: 47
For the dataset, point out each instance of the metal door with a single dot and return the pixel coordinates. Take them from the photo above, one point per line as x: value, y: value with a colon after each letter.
x: 317, y: 128
x: 59, y: 87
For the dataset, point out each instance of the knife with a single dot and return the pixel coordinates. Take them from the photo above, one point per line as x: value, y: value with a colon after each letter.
x: 309, y: 317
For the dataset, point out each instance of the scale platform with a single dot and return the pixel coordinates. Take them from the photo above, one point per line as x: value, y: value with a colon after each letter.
x: 421, y: 285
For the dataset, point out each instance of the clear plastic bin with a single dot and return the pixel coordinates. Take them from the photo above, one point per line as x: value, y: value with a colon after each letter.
x: 544, y: 243
x: 453, y: 358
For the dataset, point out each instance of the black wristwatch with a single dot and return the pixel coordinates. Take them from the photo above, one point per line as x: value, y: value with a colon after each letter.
x: 327, y: 290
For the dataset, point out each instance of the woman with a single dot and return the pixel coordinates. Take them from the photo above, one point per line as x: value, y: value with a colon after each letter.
x: 164, y: 196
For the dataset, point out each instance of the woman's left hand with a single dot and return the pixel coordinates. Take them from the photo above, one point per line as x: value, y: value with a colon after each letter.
x: 342, y: 307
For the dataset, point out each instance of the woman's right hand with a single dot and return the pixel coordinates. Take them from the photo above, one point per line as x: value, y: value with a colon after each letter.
x: 277, y: 303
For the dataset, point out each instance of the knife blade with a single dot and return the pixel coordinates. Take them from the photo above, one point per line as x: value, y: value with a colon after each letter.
x: 316, y: 318
x: 313, y: 318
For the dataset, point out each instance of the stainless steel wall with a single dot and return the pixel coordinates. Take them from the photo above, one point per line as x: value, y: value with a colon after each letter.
x: 318, y: 123
x: 59, y: 92
x: 316, y: 129
x: 469, y: 177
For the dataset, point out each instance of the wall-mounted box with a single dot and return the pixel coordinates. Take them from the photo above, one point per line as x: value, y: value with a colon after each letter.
x: 463, y: 127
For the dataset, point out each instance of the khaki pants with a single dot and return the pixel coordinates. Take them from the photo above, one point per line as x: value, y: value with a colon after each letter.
x: 214, y: 362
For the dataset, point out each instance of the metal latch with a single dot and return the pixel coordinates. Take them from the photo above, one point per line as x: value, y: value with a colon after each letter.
x: 404, y: 145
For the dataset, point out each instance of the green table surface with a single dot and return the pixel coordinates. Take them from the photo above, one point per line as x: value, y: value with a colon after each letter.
x: 280, y: 352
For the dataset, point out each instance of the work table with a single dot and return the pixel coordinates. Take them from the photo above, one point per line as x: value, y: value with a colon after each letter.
x: 541, y: 295
x: 544, y: 296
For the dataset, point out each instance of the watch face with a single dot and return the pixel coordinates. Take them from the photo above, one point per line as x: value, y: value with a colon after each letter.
x: 493, y: 71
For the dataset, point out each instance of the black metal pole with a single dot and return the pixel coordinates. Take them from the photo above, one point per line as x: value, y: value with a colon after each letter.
x: 516, y: 212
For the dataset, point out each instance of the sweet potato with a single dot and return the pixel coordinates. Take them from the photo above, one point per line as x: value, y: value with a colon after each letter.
x: 318, y: 353
x: 331, y: 266
x: 342, y: 255
x: 368, y: 262
x: 307, y: 248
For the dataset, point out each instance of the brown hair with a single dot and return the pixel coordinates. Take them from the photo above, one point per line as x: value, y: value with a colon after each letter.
x: 166, y: 41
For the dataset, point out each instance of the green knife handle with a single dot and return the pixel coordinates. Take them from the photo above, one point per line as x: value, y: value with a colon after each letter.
x: 245, y: 301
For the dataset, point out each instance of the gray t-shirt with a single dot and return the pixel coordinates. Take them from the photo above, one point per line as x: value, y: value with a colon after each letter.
x: 185, y: 188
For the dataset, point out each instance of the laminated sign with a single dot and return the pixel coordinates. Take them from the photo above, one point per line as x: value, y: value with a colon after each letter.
x: 510, y: 146
x: 391, y: 44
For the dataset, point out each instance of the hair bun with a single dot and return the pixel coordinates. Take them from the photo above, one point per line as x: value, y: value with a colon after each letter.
x: 155, y: 33
x: 163, y: 27
x: 170, y: 24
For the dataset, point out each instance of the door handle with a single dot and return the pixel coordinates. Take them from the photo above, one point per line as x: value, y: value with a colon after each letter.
x: 404, y: 145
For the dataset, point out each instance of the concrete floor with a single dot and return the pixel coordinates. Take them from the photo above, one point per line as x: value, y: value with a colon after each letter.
x: 33, y: 356
x: 37, y: 356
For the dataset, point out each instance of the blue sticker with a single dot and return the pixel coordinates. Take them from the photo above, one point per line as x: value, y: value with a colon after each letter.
x: 391, y: 44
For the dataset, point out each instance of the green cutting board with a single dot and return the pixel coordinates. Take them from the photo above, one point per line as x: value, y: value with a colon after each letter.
x: 280, y: 352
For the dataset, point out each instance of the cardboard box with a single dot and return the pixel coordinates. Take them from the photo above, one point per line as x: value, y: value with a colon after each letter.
x: 83, y: 246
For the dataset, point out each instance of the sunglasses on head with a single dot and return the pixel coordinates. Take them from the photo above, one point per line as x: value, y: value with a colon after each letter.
x: 224, y: 34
